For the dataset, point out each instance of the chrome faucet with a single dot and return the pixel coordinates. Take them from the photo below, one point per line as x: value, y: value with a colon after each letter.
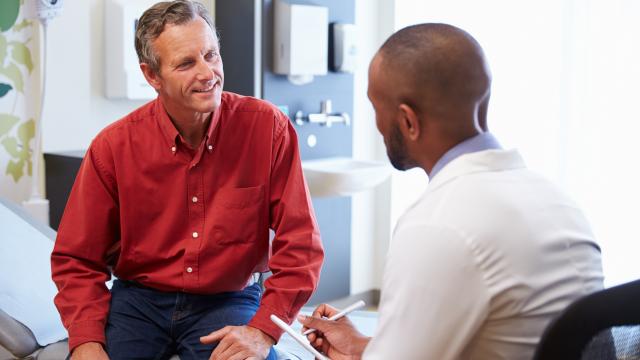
x: 325, y: 117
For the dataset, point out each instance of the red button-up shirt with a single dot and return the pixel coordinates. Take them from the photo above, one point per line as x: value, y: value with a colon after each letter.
x: 147, y: 207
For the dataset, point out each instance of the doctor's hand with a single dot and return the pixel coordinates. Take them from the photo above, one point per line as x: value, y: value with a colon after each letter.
x: 337, y: 339
x: 89, y: 351
x: 239, y: 342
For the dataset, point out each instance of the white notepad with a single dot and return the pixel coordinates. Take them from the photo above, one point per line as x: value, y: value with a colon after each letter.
x: 298, y: 337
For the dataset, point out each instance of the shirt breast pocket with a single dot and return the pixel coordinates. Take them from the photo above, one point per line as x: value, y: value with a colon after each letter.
x: 237, y: 215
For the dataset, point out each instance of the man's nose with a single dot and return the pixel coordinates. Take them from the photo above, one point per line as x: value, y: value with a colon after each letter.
x: 204, y: 70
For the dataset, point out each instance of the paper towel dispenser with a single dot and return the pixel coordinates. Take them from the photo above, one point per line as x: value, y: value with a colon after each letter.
x: 344, y: 51
x: 301, y: 40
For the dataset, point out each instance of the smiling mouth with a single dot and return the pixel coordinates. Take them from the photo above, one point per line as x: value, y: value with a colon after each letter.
x: 207, y: 89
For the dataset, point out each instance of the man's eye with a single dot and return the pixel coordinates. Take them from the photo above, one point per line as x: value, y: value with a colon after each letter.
x: 185, y: 64
x: 211, y: 55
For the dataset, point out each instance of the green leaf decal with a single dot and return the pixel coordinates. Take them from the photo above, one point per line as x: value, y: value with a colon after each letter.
x: 21, y: 54
x: 26, y: 132
x: 11, y: 145
x: 4, y: 89
x: 9, y: 10
x: 23, y: 25
x: 13, y: 73
x: 18, y: 149
x: 7, y: 122
x: 14, y: 168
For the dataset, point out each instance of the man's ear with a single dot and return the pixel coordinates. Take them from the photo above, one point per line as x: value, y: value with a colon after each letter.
x: 152, y: 78
x: 409, y: 122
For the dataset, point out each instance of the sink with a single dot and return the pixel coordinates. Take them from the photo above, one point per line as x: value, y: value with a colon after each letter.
x: 343, y: 176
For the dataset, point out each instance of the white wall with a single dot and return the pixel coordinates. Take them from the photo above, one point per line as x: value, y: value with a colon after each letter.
x: 370, y: 228
x: 75, y: 107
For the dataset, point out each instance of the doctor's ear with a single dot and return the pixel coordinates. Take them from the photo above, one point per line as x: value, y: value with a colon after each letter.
x: 152, y: 77
x: 409, y: 122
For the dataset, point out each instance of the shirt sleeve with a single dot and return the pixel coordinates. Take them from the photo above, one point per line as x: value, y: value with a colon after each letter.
x: 296, y: 250
x: 88, y: 231
x: 434, y: 297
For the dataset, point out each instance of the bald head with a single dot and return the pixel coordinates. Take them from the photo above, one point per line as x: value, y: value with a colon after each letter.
x: 437, y: 68
x: 429, y: 85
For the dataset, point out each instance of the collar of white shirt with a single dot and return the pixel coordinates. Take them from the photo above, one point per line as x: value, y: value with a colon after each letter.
x: 475, y: 162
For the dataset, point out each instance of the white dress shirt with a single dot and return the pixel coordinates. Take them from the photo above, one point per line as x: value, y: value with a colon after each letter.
x: 481, y: 263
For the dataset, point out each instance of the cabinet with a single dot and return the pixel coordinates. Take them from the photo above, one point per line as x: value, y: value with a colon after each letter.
x: 61, y: 170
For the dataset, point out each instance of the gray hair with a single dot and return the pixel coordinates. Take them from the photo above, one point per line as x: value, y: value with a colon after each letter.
x: 152, y: 23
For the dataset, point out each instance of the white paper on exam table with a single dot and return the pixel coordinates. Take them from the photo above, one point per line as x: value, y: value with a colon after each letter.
x: 365, y: 322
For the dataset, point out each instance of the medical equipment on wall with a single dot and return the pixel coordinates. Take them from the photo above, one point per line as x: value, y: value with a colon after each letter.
x: 48, y: 9
x: 37, y: 205
x: 123, y: 78
x: 301, y: 40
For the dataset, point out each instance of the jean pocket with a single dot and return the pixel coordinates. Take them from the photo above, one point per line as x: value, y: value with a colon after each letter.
x: 251, y: 295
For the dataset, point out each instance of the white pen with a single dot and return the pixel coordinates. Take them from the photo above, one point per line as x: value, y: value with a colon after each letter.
x: 297, y: 337
x: 342, y: 313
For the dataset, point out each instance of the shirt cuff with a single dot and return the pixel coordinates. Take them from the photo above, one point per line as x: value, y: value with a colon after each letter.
x: 262, y: 321
x: 84, y: 332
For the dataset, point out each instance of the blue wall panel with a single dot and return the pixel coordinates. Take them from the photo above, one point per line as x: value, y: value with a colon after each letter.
x: 333, y: 214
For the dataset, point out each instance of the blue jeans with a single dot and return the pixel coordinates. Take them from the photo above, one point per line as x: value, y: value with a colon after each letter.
x: 148, y: 324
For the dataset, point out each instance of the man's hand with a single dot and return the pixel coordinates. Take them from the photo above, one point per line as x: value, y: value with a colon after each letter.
x: 338, y: 339
x: 89, y: 351
x: 239, y: 342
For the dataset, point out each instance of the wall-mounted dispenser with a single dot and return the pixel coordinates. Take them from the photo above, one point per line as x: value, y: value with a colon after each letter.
x: 48, y: 9
x: 344, y: 51
x: 123, y: 77
x: 301, y: 40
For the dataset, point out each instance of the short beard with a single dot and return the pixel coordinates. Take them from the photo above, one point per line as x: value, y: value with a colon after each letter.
x: 397, y: 151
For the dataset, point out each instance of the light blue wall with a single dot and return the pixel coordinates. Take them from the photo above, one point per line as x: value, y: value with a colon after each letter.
x: 333, y: 214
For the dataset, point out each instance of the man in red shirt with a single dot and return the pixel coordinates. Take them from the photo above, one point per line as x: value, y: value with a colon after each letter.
x: 176, y: 200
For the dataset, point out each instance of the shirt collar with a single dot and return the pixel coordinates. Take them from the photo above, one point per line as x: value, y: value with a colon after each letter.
x: 166, y: 126
x: 172, y: 135
x: 480, y: 142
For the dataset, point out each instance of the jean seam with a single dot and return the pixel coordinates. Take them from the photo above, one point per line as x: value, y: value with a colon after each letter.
x: 175, y: 315
x: 163, y: 354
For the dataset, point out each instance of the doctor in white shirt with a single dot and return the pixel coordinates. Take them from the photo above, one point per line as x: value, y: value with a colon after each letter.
x: 491, y: 252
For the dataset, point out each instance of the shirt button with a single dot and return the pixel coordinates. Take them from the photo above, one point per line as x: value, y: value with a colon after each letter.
x: 194, y: 199
x: 189, y: 270
x: 173, y: 149
x: 195, y: 234
x: 210, y: 147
